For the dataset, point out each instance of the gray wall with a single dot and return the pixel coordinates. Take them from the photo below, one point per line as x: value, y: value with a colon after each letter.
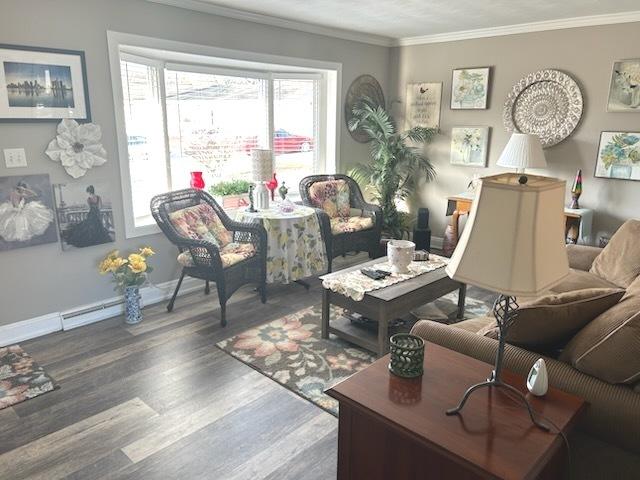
x: 43, y: 279
x: 586, y: 54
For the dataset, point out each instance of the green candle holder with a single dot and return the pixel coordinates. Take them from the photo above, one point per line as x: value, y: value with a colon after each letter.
x: 406, y: 355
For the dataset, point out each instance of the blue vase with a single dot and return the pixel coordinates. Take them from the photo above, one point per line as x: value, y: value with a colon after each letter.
x: 132, y: 310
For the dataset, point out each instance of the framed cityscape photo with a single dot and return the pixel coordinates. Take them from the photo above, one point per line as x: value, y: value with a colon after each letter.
x: 619, y: 156
x: 469, y: 146
x: 624, y: 89
x: 470, y: 88
x: 42, y: 85
x: 423, y: 105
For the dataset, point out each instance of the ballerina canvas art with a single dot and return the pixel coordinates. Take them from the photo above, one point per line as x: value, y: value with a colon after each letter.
x: 26, y: 211
x: 85, y: 216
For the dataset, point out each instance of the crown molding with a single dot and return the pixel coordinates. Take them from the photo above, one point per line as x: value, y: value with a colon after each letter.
x: 575, y: 22
x: 206, y: 7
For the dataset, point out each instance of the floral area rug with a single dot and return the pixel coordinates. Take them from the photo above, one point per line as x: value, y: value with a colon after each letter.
x: 292, y: 352
x: 20, y: 377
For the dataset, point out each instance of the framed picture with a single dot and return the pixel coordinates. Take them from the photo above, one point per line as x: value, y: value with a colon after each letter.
x: 423, y: 105
x: 469, y: 146
x: 470, y: 88
x: 624, y: 89
x: 42, y: 85
x: 619, y: 156
x: 26, y: 212
x: 84, y: 214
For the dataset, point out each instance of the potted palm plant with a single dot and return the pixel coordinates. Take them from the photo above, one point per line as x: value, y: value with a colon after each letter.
x: 398, y: 164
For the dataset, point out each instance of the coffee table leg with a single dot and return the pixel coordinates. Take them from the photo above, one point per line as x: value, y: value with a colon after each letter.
x: 383, y: 336
x: 462, y: 295
x: 325, y: 313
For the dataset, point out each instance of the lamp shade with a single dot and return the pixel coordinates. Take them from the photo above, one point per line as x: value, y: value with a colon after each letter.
x: 262, y: 165
x: 513, y: 242
x: 523, y: 150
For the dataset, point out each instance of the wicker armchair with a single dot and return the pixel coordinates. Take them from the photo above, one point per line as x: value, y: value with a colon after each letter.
x: 367, y: 240
x: 206, y: 258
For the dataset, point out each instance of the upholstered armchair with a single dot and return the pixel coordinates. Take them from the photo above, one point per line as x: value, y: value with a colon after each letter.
x: 211, y: 246
x: 349, y: 224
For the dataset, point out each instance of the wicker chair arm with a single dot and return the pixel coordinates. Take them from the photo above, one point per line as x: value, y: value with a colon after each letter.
x: 248, y: 232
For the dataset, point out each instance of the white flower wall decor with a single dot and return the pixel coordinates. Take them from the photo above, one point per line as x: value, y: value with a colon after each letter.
x: 77, y: 147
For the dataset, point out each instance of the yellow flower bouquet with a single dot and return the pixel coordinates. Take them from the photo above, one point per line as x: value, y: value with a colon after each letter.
x: 130, y: 271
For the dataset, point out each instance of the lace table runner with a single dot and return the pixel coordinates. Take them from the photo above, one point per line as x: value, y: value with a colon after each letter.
x: 355, y: 285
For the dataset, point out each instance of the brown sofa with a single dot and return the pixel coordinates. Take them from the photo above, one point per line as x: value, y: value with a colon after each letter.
x: 606, y: 444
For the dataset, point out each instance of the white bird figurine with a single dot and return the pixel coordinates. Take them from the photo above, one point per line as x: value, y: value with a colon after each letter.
x: 538, y: 379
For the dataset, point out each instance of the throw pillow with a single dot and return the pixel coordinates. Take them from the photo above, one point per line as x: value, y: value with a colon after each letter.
x: 332, y: 196
x: 609, y: 347
x: 200, y: 222
x: 551, y: 320
x: 619, y: 261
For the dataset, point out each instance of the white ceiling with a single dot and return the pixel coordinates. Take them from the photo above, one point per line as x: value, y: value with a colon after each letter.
x: 401, y: 19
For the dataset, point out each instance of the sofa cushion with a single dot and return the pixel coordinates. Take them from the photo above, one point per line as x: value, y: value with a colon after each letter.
x: 230, y: 254
x: 332, y: 196
x: 350, y: 224
x: 580, y: 280
x: 201, y: 222
x: 551, y: 320
x: 609, y: 347
x: 619, y: 261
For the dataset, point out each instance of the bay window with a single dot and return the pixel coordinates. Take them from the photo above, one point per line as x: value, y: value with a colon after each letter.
x: 176, y: 118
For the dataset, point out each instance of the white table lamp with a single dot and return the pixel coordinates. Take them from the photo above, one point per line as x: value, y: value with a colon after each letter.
x: 262, y: 168
x: 523, y: 150
x: 513, y: 244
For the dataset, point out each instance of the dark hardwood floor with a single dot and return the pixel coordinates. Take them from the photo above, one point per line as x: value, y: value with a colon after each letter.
x: 160, y: 401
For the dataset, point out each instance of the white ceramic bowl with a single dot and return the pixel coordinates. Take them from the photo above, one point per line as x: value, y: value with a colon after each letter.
x: 400, y: 255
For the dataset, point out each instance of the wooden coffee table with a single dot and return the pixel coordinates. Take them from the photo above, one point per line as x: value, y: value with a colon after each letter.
x: 396, y: 428
x: 385, y: 305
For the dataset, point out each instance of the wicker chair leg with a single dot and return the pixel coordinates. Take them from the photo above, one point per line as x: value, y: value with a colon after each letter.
x: 175, y: 293
x: 207, y: 290
x: 329, y: 264
x: 223, y: 313
x: 263, y: 293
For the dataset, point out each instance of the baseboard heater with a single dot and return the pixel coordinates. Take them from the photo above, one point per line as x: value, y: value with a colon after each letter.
x: 92, y: 309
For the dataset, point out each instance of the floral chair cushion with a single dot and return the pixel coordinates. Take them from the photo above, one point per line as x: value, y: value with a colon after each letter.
x: 200, y: 222
x: 332, y: 196
x: 350, y: 224
x: 230, y: 254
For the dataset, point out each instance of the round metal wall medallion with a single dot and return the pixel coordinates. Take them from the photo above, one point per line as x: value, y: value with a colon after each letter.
x: 547, y: 103
x: 363, y: 86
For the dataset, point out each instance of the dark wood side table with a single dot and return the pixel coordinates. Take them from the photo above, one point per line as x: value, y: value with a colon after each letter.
x: 393, y: 428
x: 386, y: 304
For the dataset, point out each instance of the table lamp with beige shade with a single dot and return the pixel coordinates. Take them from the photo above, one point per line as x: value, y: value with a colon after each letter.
x: 262, y: 169
x: 523, y: 150
x: 513, y: 244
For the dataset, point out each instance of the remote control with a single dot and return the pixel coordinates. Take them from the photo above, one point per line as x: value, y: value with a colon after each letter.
x: 372, y: 274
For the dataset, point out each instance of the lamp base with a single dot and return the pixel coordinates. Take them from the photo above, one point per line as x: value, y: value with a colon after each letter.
x: 505, y: 309
x: 262, y: 196
x: 491, y: 382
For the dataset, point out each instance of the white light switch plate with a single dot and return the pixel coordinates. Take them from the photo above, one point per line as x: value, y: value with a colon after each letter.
x: 15, y: 157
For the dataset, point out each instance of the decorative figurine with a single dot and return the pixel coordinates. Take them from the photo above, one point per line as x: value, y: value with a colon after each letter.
x: 576, y: 190
x: 251, y: 208
x: 283, y: 190
x: 272, y: 185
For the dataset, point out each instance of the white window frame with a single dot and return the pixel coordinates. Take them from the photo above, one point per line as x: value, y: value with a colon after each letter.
x: 166, y: 54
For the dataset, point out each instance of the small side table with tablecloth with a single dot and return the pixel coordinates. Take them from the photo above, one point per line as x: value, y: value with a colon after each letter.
x: 295, y: 249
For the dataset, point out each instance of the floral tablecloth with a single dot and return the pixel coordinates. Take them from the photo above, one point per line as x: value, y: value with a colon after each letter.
x: 295, y: 249
x: 355, y: 285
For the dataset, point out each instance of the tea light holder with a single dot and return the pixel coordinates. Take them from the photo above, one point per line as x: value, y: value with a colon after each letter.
x: 406, y: 355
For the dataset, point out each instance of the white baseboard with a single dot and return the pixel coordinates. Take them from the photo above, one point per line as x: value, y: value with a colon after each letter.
x: 30, y: 328
x: 90, y: 313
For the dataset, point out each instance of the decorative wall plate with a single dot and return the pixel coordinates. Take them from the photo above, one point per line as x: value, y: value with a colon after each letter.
x: 547, y: 103
x: 363, y: 86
